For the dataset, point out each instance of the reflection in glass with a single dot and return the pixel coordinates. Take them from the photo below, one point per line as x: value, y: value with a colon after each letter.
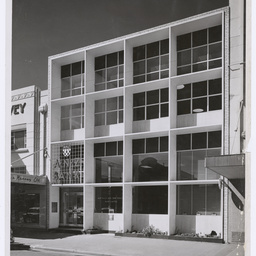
x: 150, y: 167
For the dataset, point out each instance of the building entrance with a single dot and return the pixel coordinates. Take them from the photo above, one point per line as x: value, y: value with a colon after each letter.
x: 71, y: 212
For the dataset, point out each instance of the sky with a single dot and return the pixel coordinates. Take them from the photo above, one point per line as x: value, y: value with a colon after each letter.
x: 42, y: 28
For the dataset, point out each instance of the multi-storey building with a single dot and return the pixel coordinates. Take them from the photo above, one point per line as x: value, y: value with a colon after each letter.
x: 28, y: 159
x: 146, y: 129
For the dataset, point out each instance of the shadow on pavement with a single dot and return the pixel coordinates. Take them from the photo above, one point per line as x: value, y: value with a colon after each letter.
x: 40, y: 233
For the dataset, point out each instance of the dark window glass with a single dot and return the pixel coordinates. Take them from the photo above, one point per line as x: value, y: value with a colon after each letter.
x: 108, y: 200
x: 152, y: 76
x: 215, y: 51
x: 164, y: 95
x: 151, y: 145
x: 150, y: 200
x: 121, y: 72
x: 112, y: 84
x: 100, y: 119
x: 198, y: 199
x: 213, y: 200
x: 184, y: 58
x: 215, y: 86
x: 152, y: 112
x: 112, y: 117
x: 100, y: 76
x: 200, y: 89
x: 183, y: 42
x: 184, y: 165
x: 199, y: 140
x: 139, y: 99
x: 164, y: 74
x: 164, y: 44
x: 199, y: 37
x: 139, y: 68
x: 99, y: 149
x: 200, y: 54
x: 163, y: 144
x: 139, y: 79
x: 164, y: 62
x: 164, y: 110
x: 99, y: 106
x: 184, y: 199
x: 99, y: 87
x: 153, y: 97
x: 153, y: 65
x: 100, y: 62
x: 184, y: 70
x: 139, y: 114
x: 112, y: 104
x: 121, y: 57
x: 215, y: 103
x: 183, y: 142
x: 120, y: 148
x: 76, y: 68
x: 183, y: 107
x: 112, y: 73
x: 185, y: 92
x: 200, y: 67
x: 138, y: 146
x: 215, y: 34
x: 214, y: 139
x: 111, y: 148
x: 139, y: 53
x: 121, y: 98
x: 199, y: 105
x: 153, y: 49
x: 215, y: 64
x: 112, y: 59
x: 65, y: 71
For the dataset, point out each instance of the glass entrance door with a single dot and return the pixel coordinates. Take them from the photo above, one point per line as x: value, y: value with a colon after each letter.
x: 71, y: 207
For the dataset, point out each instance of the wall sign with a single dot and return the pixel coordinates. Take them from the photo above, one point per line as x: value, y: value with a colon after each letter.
x: 28, y: 179
x: 18, y: 109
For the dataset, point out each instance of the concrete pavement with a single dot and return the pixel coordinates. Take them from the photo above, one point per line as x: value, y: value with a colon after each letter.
x: 110, y: 245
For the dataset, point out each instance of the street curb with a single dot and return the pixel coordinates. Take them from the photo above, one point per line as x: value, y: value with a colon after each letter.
x: 38, y: 247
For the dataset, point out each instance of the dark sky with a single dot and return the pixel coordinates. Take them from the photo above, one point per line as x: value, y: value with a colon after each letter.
x: 42, y: 28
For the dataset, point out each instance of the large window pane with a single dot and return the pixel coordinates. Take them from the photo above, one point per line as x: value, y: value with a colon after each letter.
x: 164, y: 45
x: 112, y: 59
x: 183, y: 142
x: 139, y: 99
x: 183, y: 42
x: 213, y: 200
x: 153, y: 97
x: 138, y: 146
x: 152, y: 112
x: 199, y: 105
x: 215, y: 51
x: 139, y: 114
x: 139, y: 68
x: 153, y: 65
x: 151, y: 145
x: 215, y: 34
x: 184, y: 91
x: 112, y: 117
x: 99, y: 62
x: 214, y: 139
x: 99, y: 119
x: 199, y: 37
x: 184, y: 164
x: 150, y: 200
x: 108, y: 200
x: 183, y: 107
x: 139, y: 53
x: 184, y: 200
x: 151, y: 167
x: 184, y: 58
x: 99, y: 149
x: 200, y: 54
x: 215, y: 86
x: 198, y: 203
x: 199, y: 171
x: 152, y: 49
x: 112, y: 104
x: 199, y: 140
x: 200, y: 89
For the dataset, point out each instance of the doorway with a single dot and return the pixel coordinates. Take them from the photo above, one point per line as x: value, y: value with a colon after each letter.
x: 71, y: 211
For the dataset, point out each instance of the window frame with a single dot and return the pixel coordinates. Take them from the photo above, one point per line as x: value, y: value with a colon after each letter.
x: 14, y: 139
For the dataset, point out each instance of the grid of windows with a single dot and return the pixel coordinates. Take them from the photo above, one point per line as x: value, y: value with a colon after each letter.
x: 112, y: 148
x: 151, y: 61
x: 199, y: 97
x: 67, y: 163
x: 191, y: 152
x: 109, y: 111
x: 72, y: 79
x: 198, y: 200
x: 109, y: 71
x: 72, y: 117
x: 151, y: 104
x: 18, y: 139
x: 19, y: 169
x: 199, y: 50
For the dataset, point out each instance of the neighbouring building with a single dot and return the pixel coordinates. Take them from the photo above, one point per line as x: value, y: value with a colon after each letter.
x: 146, y: 129
x: 28, y: 162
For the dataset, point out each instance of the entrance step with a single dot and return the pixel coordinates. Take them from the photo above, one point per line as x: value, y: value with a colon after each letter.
x: 72, y: 230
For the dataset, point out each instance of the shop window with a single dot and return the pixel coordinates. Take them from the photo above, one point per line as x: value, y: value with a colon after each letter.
x: 109, y: 111
x: 199, y: 97
x: 19, y: 169
x: 191, y: 152
x: 72, y: 79
x: 150, y: 200
x: 109, y: 71
x: 108, y: 200
x: 108, y: 161
x: 67, y: 164
x: 18, y: 139
x: 151, y: 61
x: 72, y: 117
x: 151, y: 105
x: 199, y: 50
x: 150, y: 159
x: 198, y: 200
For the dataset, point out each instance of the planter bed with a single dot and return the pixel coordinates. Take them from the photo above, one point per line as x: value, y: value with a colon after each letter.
x: 174, y: 237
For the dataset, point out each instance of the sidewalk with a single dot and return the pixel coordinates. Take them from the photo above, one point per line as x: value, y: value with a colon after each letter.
x: 109, y: 245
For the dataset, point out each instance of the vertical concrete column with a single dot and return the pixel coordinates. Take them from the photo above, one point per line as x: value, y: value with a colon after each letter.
x: 89, y: 196
x: 54, y: 197
x: 127, y: 207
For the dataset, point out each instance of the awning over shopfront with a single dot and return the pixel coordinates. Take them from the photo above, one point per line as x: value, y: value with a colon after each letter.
x: 28, y: 179
x: 229, y: 166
